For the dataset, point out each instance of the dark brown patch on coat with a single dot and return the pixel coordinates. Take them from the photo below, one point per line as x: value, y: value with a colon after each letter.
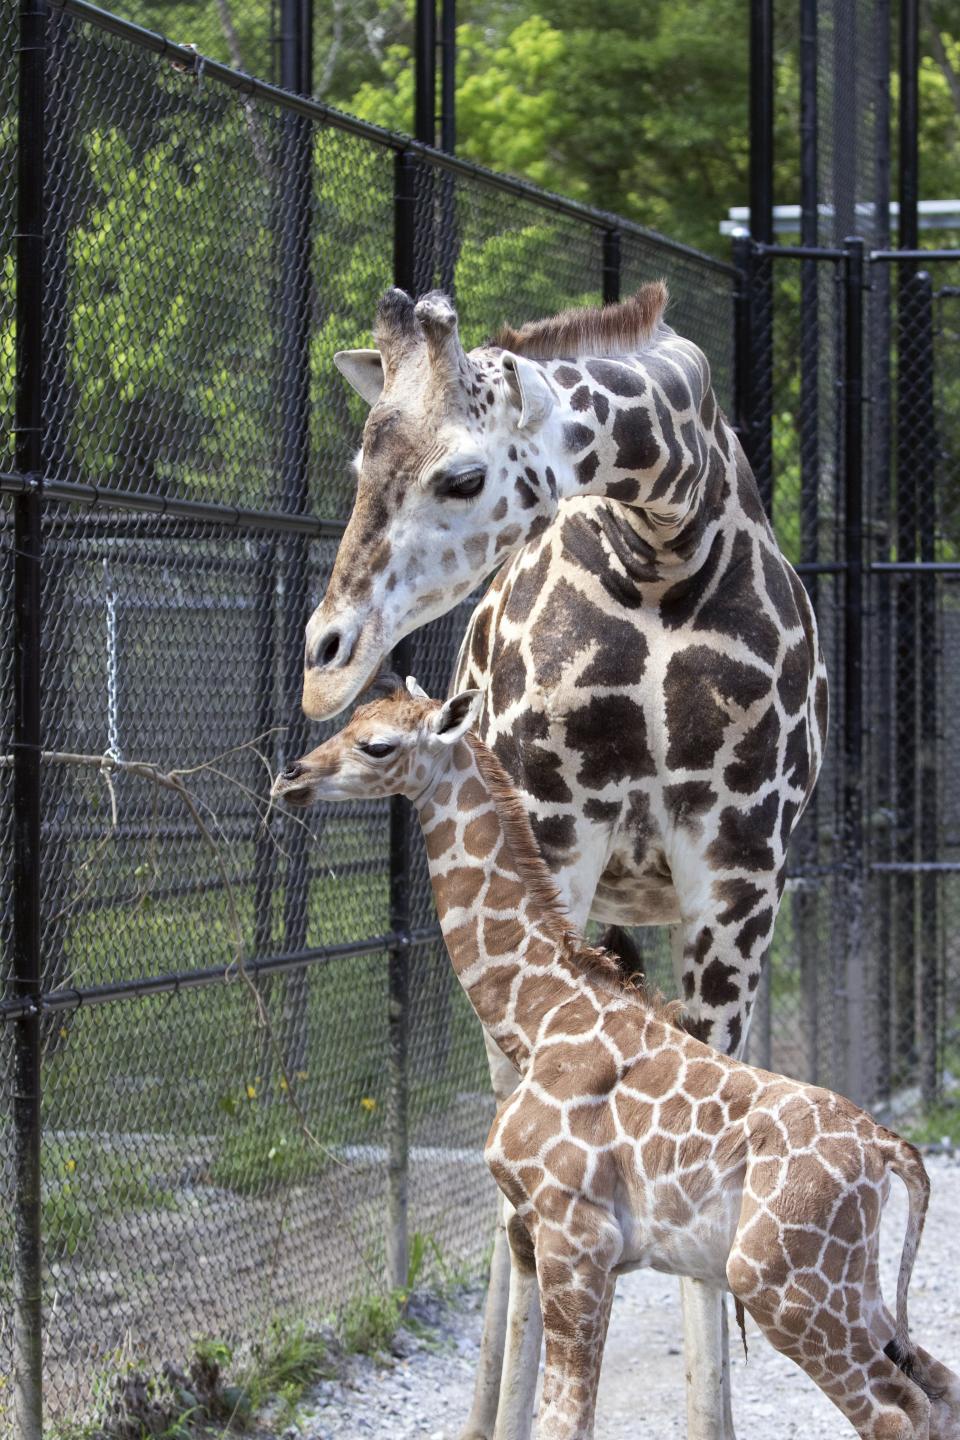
x: 554, y: 835
x: 689, y: 799
x: 535, y: 768
x: 742, y: 840
x: 756, y: 754
x: 610, y: 733
x: 698, y: 680
x: 734, y: 608
x: 637, y: 446
x: 508, y: 677
x: 576, y: 437
x: 568, y: 625
x: 794, y: 677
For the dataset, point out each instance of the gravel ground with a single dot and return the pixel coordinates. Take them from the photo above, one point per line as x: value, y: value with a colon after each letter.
x: 427, y: 1393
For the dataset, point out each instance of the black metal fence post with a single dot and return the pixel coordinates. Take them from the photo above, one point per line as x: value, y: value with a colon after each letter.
x: 806, y: 899
x: 760, y: 452
x: 447, y: 205
x: 27, y: 737
x: 881, y: 529
x: 295, y: 210
x: 857, y: 1082
x: 909, y: 480
x: 922, y: 378
x: 448, y: 76
x: 742, y: 348
x: 398, y: 960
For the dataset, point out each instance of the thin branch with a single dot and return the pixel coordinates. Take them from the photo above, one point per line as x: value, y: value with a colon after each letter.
x: 333, y: 51
x: 234, y: 750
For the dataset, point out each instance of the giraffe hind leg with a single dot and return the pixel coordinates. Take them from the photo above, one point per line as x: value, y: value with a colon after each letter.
x: 937, y: 1380
x: 840, y: 1353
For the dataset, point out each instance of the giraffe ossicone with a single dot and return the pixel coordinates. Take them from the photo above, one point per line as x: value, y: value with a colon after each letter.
x: 629, y: 1142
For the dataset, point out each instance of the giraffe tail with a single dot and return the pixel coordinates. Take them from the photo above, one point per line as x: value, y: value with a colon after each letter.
x: 907, y: 1164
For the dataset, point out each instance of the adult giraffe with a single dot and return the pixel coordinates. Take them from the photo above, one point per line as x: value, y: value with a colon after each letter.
x: 652, y: 677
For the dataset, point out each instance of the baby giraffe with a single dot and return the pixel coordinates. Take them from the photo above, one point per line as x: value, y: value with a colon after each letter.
x: 628, y: 1142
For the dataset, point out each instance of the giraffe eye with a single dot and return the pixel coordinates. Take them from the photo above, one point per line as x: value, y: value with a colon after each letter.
x: 377, y: 749
x: 463, y: 486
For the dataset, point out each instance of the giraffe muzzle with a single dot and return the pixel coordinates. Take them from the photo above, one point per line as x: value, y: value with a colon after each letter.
x: 340, y: 659
x: 294, y: 787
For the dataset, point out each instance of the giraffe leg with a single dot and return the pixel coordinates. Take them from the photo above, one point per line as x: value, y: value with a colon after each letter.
x: 506, y: 1385
x: 486, y: 1389
x: 482, y: 1419
x: 576, y: 1294
x: 706, y: 1341
x: 839, y: 1351
x: 940, y: 1379
x: 706, y: 1347
x: 717, y: 955
x: 524, y: 1336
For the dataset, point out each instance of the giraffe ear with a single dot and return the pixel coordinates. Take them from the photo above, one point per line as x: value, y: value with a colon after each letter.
x: 417, y: 691
x: 457, y: 715
x: 529, y: 390
x: 363, y: 369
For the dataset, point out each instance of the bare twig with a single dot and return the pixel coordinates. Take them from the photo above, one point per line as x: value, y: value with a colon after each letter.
x: 260, y: 149
x: 333, y: 50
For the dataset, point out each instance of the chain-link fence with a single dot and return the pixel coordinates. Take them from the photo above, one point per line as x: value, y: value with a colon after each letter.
x: 852, y: 401
x: 184, y: 252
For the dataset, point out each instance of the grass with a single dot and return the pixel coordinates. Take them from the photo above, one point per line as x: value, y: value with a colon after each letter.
x: 285, y: 1363
x: 216, y: 1395
x: 219, y: 1394
x: 937, y: 1122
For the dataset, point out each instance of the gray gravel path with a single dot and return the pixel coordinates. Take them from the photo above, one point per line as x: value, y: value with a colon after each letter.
x: 427, y: 1394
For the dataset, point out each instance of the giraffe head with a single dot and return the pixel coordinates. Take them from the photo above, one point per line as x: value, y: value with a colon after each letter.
x: 390, y: 746
x: 451, y: 481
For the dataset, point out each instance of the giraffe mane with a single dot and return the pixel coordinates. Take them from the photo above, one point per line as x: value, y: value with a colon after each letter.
x: 618, y: 329
x: 531, y: 867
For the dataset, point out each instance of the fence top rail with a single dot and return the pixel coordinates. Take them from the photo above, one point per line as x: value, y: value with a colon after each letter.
x: 892, y: 256
x: 204, y: 512
x: 796, y: 252
x: 197, y: 65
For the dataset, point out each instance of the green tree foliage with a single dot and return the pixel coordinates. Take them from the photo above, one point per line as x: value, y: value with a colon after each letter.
x: 174, y: 245
x: 643, y: 110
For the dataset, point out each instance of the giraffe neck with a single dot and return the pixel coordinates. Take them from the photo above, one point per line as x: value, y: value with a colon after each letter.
x: 510, y: 945
x: 645, y: 430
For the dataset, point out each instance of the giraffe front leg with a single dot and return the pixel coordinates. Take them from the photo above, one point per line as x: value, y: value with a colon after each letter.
x: 524, y: 1337
x: 718, y: 953
x: 576, y: 1294
x: 706, y: 1348
x: 510, y: 1373
x: 482, y: 1420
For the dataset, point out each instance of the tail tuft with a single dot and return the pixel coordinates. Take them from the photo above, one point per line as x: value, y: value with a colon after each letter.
x: 907, y: 1361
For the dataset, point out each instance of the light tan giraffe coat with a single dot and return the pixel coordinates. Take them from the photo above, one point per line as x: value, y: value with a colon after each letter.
x: 628, y: 1142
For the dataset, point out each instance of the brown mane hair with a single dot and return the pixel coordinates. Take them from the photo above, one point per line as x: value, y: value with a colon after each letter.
x: 618, y: 329
x: 532, y: 870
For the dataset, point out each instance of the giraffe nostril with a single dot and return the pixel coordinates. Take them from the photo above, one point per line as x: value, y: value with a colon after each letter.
x: 334, y: 650
x: 292, y: 771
